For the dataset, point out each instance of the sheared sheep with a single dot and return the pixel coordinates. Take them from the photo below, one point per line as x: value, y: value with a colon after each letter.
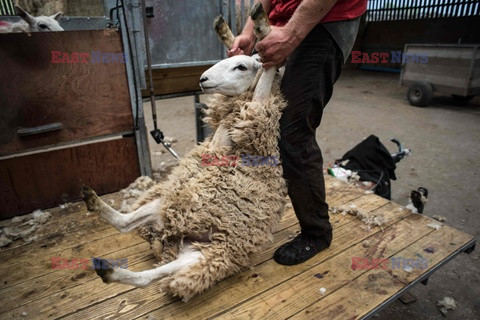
x: 32, y: 24
x: 205, y: 222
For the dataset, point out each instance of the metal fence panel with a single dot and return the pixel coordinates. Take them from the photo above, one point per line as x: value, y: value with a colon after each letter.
x: 6, y: 8
x: 181, y: 33
x: 394, y: 10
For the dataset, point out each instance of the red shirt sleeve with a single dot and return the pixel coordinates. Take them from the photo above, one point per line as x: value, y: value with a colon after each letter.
x: 282, y: 11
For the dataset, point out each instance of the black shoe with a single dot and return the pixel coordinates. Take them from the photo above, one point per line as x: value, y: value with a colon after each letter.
x: 300, y: 249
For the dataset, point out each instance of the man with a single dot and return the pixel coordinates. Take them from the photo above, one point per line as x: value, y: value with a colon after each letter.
x: 313, y: 37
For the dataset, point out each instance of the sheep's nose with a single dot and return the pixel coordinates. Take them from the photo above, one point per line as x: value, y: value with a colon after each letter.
x: 203, y: 79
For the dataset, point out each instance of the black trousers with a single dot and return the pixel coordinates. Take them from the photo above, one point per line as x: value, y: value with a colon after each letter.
x: 307, y: 85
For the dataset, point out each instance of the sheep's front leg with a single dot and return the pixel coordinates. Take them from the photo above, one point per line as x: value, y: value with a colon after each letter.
x: 122, y: 222
x: 187, y: 257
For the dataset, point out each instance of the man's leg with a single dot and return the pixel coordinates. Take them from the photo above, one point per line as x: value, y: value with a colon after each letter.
x: 307, y: 85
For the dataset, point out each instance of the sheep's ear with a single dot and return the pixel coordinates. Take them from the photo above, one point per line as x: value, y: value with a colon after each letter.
x: 57, y: 16
x: 257, y: 64
x: 24, y: 15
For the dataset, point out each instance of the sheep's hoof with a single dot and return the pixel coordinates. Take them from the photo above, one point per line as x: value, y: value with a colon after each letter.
x: 90, y: 198
x: 103, y: 269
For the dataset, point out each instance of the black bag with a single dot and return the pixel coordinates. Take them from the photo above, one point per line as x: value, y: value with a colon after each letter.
x: 373, y: 162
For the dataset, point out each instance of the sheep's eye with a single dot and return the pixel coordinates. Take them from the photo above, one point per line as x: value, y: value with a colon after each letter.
x: 240, y: 67
x: 43, y: 26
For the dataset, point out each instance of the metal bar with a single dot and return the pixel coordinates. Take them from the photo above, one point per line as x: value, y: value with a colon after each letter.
x: 457, y: 9
x: 173, y: 95
x: 371, y: 15
x: 411, y: 14
x: 141, y: 136
x: 66, y: 144
x: 149, y: 66
x: 397, y: 10
x: 376, y: 6
x: 185, y: 64
x: 232, y: 17
x: 12, y: 9
x: 468, y: 7
x: 136, y: 16
x: 463, y: 8
x: 392, y: 10
x: 385, y: 13
x: 242, y: 15
x: 376, y: 12
x: 449, y: 8
x: 419, y: 280
x: 22, y: 132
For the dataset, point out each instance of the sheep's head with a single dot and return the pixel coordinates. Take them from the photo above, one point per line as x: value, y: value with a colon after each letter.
x: 41, y: 23
x: 231, y: 76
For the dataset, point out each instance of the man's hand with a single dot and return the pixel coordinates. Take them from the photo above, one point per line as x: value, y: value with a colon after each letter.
x: 275, y: 48
x: 243, y: 44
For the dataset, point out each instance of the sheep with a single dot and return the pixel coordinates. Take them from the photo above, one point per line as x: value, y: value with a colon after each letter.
x: 32, y: 24
x: 205, y: 222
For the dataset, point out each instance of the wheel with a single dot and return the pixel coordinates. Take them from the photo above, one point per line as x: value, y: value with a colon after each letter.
x: 462, y: 99
x: 420, y: 93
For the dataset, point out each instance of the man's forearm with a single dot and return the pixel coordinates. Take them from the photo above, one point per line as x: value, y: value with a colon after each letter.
x: 308, y: 14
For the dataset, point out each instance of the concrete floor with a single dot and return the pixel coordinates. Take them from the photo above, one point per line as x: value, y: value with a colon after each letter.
x: 444, y: 138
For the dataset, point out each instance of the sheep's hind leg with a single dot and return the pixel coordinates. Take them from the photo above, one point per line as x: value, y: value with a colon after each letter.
x: 187, y: 257
x: 124, y: 222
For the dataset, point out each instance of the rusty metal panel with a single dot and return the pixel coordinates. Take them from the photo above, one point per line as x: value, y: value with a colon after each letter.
x: 47, y: 179
x: 181, y: 33
x: 452, y: 68
x: 88, y: 99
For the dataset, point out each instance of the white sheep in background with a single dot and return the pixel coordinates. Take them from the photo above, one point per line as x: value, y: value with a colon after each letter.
x: 32, y: 24
x: 205, y: 222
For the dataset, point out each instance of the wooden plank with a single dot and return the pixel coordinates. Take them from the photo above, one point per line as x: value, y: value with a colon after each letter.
x: 76, y: 289
x: 284, y: 299
x: 63, y: 223
x: 241, y: 287
x: 47, y: 280
x: 106, y: 302
x: 60, y: 288
x: 374, y: 287
x: 46, y: 284
x: 35, y: 92
x: 56, y: 285
x: 27, y: 269
x: 47, y: 179
x: 176, y: 80
x: 134, y: 303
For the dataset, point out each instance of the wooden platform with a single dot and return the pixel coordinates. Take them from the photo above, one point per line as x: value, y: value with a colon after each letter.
x: 29, y: 285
